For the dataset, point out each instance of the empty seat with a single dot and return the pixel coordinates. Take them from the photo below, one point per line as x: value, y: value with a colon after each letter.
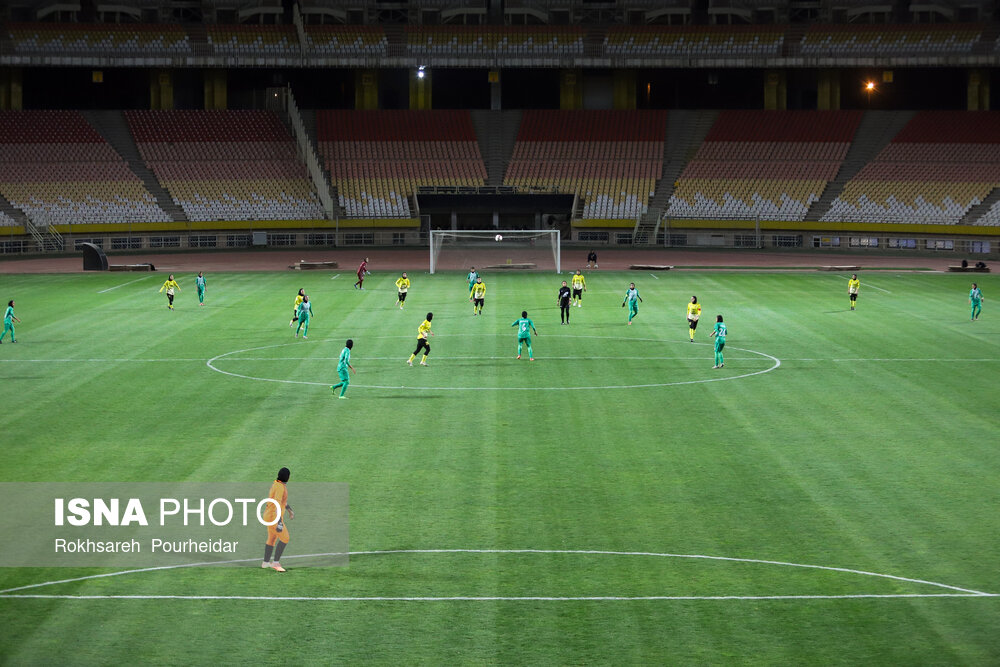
x: 941, y: 165
x: 226, y: 165
x: 610, y: 159
x: 378, y: 159
x: 59, y: 170
x: 764, y: 164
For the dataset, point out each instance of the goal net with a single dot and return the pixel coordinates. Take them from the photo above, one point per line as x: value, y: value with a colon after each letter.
x: 529, y: 249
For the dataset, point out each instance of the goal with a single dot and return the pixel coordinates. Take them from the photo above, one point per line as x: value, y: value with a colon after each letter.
x: 530, y: 249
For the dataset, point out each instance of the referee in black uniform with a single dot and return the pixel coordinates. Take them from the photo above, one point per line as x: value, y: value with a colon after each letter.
x: 564, y: 295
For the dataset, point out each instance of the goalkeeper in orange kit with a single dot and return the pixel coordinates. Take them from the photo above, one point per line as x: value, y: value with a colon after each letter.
x: 277, y: 533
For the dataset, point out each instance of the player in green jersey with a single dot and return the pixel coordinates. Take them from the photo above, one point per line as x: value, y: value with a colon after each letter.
x: 305, y: 314
x: 720, y: 340
x: 633, y: 299
x: 201, y: 283
x: 344, y: 369
x: 976, y: 301
x: 8, y: 322
x: 524, y: 329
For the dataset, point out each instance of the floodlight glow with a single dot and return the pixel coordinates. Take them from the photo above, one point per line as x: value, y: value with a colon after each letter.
x: 420, y: 71
x: 870, y: 85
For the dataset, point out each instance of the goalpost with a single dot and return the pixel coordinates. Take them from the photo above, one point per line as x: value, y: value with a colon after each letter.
x: 530, y: 249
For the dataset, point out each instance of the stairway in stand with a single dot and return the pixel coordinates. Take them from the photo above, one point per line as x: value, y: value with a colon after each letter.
x: 496, y: 132
x: 112, y: 127
x: 876, y: 130
x: 685, y: 132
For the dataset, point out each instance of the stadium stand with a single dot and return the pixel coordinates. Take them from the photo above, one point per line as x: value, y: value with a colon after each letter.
x: 937, y: 168
x: 634, y: 41
x: 346, y: 40
x: 377, y: 159
x: 686, y: 41
x: 885, y: 39
x: 98, y: 39
x: 57, y: 169
x: 495, y: 40
x: 991, y: 217
x: 226, y: 165
x: 6, y: 220
x: 257, y: 41
x: 611, y: 159
x: 768, y: 164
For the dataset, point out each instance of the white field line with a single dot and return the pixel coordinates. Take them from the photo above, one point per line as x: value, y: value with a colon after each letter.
x: 495, y: 598
x: 586, y: 552
x: 96, y: 361
x: 124, y: 284
x: 864, y: 284
x: 655, y: 276
x: 928, y: 359
x: 874, y: 287
x: 210, y: 363
x: 580, y: 358
x: 334, y: 276
x: 397, y: 358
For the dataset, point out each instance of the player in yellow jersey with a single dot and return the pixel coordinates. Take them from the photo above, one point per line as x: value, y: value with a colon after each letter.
x: 295, y: 309
x: 579, y: 287
x: 694, y: 313
x: 478, y: 296
x: 170, y: 285
x: 402, y: 287
x: 853, y: 286
x: 277, y: 533
x: 422, y: 334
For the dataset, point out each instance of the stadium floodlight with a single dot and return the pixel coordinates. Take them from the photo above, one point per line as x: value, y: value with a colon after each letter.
x: 421, y: 71
x: 869, y: 89
x: 486, y: 249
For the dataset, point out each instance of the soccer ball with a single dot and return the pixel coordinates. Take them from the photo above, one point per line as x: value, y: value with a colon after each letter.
x: 498, y: 237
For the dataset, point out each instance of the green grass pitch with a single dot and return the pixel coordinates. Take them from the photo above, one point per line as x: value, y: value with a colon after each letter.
x: 862, y: 440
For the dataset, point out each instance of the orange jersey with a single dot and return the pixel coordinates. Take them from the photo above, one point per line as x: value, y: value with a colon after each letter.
x: 279, y: 492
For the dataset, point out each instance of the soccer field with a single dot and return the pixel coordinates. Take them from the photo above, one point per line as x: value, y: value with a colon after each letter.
x: 828, y: 497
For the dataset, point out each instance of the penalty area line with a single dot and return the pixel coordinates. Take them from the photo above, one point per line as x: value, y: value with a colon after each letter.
x: 870, y: 285
x: 124, y: 284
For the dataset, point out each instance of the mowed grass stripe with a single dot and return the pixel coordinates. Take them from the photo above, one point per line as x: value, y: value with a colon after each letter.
x: 881, y: 466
